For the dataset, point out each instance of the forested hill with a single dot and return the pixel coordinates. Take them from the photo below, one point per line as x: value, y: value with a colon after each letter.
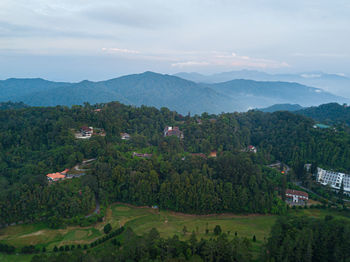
x: 152, y: 89
x: 12, y: 105
x: 37, y: 141
x: 281, y: 107
x: 332, y: 113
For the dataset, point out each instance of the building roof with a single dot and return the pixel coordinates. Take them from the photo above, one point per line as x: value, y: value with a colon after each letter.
x: 86, y: 128
x: 212, y: 154
x: 56, y: 175
x: 297, y: 193
x: 200, y: 155
x: 65, y: 171
x: 322, y: 126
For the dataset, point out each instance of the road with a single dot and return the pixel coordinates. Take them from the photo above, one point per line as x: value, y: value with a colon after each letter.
x: 97, y: 208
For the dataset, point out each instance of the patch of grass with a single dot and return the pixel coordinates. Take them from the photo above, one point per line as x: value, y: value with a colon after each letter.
x: 141, y: 220
x: 17, y: 258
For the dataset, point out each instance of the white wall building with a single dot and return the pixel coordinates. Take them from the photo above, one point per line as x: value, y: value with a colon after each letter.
x: 333, y: 179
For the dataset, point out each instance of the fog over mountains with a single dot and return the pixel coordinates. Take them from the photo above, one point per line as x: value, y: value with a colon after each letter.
x: 153, y: 89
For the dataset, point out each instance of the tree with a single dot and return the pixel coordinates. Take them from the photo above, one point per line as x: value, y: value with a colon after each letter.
x: 107, y: 228
x: 254, y: 238
x: 184, y: 230
x: 55, y: 249
x: 217, y: 230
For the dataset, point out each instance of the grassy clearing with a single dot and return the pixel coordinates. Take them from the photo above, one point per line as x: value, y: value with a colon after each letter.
x: 168, y: 223
x: 141, y: 220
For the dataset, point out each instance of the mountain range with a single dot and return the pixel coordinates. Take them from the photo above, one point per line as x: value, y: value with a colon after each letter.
x: 153, y: 89
x: 336, y: 83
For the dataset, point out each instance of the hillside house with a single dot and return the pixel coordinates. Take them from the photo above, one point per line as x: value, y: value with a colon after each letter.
x: 125, y: 136
x: 141, y: 155
x: 296, y: 197
x: 173, y: 131
x: 213, y: 154
x: 252, y: 149
x: 85, y: 132
x: 201, y: 155
x: 53, y: 177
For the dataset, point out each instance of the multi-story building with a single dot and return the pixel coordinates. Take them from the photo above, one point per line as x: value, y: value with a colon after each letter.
x: 333, y: 179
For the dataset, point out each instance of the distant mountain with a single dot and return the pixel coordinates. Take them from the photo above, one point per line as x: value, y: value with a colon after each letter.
x: 281, y: 107
x: 149, y: 88
x: 13, y: 88
x: 337, y: 84
x: 259, y: 94
x: 159, y: 90
x: 331, y: 113
x: 12, y: 105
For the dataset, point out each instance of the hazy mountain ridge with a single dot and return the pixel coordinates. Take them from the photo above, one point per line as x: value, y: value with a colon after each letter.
x: 281, y: 107
x: 153, y: 89
x: 336, y: 83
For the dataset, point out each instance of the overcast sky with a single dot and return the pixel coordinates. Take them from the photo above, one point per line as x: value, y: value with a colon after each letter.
x: 72, y: 40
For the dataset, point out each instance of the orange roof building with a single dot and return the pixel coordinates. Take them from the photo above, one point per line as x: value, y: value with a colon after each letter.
x: 55, y: 176
x: 212, y: 154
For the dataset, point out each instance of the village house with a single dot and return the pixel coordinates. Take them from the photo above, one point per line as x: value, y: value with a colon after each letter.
x: 173, y: 131
x: 252, y: 149
x: 213, y: 154
x: 201, y: 155
x: 141, y: 155
x: 125, y: 136
x: 53, y: 177
x: 296, y: 197
x: 85, y: 132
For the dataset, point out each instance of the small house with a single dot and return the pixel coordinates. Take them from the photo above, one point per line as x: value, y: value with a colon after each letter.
x: 201, y: 155
x: 86, y: 132
x: 252, y: 149
x: 55, y: 177
x: 173, y: 131
x: 213, y: 154
x: 125, y: 136
x: 297, y: 197
x: 141, y: 155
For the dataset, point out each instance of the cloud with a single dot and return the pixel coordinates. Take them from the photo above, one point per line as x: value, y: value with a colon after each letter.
x: 190, y: 63
x: 120, y: 50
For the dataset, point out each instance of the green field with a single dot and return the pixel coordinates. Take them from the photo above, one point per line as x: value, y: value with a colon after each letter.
x: 141, y: 220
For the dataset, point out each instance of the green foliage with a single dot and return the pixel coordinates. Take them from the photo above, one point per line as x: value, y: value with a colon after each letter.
x: 217, y: 230
x: 107, y: 228
x: 308, y: 239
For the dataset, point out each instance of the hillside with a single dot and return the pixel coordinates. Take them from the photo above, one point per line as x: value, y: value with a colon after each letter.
x: 253, y: 94
x: 338, y: 84
x: 159, y: 90
x: 331, y: 113
x: 12, y: 105
x: 281, y: 107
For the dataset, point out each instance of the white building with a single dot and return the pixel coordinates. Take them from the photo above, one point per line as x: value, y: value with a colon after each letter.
x: 333, y: 179
x: 295, y: 196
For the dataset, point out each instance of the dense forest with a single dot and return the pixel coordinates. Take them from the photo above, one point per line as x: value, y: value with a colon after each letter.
x: 12, y: 105
x: 332, y: 113
x: 36, y: 141
x: 307, y: 239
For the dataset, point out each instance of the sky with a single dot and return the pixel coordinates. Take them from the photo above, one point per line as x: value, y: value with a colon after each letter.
x: 72, y: 40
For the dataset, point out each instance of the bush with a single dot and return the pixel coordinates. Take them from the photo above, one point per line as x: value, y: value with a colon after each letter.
x: 217, y: 230
x: 107, y: 228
